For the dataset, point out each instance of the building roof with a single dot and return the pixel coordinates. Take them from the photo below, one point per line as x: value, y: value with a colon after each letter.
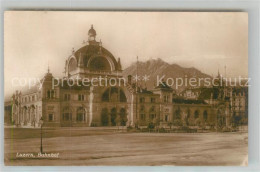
x: 144, y: 91
x: 31, y: 90
x: 207, y: 92
x: 88, y: 51
x: 184, y: 101
x: 79, y: 85
x: 164, y: 86
x: 237, y: 90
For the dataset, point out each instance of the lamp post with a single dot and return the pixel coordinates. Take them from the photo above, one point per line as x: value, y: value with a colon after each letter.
x: 41, y: 123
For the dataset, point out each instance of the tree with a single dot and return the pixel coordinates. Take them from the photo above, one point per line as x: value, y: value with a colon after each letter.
x: 156, y: 122
x: 170, y: 124
x: 150, y: 126
x: 123, y: 120
x: 177, y: 122
x: 191, y: 121
x: 236, y: 119
x: 177, y: 114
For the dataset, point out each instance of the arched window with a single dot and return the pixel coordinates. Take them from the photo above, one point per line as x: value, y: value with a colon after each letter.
x: 105, y: 96
x: 99, y: 64
x: 80, y: 114
x: 122, y: 96
x: 114, y: 94
x: 72, y: 64
x: 113, y: 117
x: 123, y: 116
x: 205, y: 115
x: 104, y: 117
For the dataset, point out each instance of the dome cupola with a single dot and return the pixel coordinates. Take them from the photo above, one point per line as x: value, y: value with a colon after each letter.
x: 92, y: 34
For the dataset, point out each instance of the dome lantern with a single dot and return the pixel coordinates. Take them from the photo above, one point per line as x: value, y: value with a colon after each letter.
x: 92, y: 34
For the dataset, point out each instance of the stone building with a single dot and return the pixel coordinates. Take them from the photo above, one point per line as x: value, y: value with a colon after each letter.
x: 102, y: 97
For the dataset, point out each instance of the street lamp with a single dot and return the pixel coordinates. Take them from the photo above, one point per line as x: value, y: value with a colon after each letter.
x: 41, y: 123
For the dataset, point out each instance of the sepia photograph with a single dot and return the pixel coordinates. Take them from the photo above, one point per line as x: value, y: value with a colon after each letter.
x: 121, y: 88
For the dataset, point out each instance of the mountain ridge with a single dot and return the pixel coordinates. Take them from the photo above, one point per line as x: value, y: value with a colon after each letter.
x: 155, y: 68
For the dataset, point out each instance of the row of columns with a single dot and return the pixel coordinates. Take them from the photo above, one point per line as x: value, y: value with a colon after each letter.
x: 29, y: 117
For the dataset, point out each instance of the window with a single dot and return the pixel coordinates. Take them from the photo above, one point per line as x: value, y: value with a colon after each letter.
x: 152, y: 109
x: 66, y: 116
x: 142, y: 100
x: 33, y: 98
x: 142, y: 108
x: 152, y: 100
x: 166, y: 118
x: 66, y: 96
x: 50, y: 117
x: 152, y: 116
x: 50, y: 94
x: 166, y: 99
x: 80, y: 114
x: 81, y: 97
x: 80, y: 117
x: 142, y: 116
x: 196, y: 114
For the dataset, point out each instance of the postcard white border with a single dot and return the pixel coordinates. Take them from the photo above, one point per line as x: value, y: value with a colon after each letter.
x: 250, y: 6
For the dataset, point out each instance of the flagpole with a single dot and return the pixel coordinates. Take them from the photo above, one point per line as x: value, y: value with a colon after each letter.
x: 136, y: 89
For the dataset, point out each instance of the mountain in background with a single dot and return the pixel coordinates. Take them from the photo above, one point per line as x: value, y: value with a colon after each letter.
x: 158, y: 67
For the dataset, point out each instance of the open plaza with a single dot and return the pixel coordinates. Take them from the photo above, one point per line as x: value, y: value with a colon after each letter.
x: 90, y: 146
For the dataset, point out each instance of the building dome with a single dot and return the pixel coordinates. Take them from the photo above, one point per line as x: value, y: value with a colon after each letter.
x: 92, y: 58
x: 96, y: 57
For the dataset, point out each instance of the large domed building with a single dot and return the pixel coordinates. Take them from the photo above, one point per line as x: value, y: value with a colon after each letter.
x: 92, y: 59
x: 94, y: 100
x: 90, y: 102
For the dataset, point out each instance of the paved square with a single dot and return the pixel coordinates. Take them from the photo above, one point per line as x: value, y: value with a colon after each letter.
x: 93, y: 146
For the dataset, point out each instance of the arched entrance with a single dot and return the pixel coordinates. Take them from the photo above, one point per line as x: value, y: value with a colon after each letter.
x: 113, y: 117
x: 123, y: 117
x: 115, y: 113
x: 104, y: 117
x: 114, y: 94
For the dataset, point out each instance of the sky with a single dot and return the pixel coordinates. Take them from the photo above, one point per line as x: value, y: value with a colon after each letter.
x: 208, y: 41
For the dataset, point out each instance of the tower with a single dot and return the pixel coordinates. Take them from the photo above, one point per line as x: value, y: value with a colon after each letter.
x: 92, y: 34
